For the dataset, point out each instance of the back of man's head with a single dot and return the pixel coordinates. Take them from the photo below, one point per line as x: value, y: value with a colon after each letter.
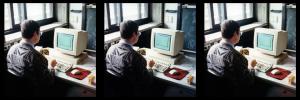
x: 127, y: 28
x: 228, y: 28
x: 28, y: 28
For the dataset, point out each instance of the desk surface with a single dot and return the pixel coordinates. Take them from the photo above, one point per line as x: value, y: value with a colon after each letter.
x: 88, y: 64
x: 189, y: 64
x: 288, y: 64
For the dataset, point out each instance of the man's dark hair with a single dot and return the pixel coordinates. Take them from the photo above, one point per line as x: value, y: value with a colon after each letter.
x: 28, y: 27
x: 127, y: 28
x: 228, y: 27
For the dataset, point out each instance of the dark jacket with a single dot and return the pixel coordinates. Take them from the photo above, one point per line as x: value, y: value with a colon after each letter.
x: 25, y: 62
x: 125, y: 63
x: 225, y: 62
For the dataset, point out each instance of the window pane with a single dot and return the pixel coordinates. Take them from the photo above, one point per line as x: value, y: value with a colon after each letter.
x: 18, y: 12
x: 114, y: 13
x: 207, y: 18
x: 35, y: 11
x: 249, y: 10
x: 239, y: 11
x: 7, y: 18
x: 217, y: 13
x: 49, y: 10
x: 144, y: 10
x: 38, y: 11
x: 130, y: 11
x: 105, y: 17
x: 235, y: 11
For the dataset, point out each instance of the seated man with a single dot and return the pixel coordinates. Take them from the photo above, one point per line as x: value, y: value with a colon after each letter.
x: 27, y: 64
x: 123, y: 62
x: 225, y: 63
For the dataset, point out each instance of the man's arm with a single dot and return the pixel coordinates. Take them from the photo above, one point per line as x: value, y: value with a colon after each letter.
x: 40, y: 63
x: 246, y: 75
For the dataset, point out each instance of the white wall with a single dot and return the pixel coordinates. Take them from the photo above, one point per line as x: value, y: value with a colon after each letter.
x: 275, y: 18
x: 75, y: 19
x: 170, y: 19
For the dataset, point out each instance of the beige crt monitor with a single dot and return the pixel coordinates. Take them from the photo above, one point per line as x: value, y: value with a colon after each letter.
x: 167, y: 41
x: 73, y: 41
x: 269, y: 45
x: 69, y: 45
x: 270, y: 41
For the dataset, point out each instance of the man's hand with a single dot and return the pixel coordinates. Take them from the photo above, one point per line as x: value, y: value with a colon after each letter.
x: 251, y: 64
x: 150, y: 64
x: 52, y: 63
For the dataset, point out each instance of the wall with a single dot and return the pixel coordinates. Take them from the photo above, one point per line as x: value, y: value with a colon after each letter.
x: 75, y: 17
x: 275, y: 17
x: 170, y: 15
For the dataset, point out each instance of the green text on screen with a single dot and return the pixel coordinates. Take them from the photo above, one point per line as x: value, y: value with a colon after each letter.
x: 162, y: 41
x: 265, y: 41
x: 65, y: 41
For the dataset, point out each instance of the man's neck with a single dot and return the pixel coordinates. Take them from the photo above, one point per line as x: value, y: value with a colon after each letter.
x: 227, y: 41
x: 126, y: 41
x: 27, y: 41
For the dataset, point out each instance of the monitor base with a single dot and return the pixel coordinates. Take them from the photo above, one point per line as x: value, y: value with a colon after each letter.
x: 68, y: 58
x: 150, y: 54
x: 268, y: 58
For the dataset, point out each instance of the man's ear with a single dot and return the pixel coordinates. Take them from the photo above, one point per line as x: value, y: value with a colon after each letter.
x: 134, y: 33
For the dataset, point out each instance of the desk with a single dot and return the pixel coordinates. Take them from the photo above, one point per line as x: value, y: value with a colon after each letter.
x: 189, y: 64
x: 288, y: 64
x: 88, y: 64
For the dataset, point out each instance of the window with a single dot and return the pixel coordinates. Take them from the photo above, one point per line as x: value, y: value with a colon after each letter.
x: 130, y: 11
x: 244, y: 9
x: 7, y: 18
x: 215, y: 13
x: 18, y: 12
x: 15, y: 13
x: 207, y: 18
x: 115, y: 13
x: 144, y: 10
x: 41, y: 11
x: 105, y: 18
x: 134, y: 11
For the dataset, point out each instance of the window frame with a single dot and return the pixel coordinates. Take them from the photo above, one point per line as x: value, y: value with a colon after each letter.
x: 16, y: 27
x: 115, y: 27
x: 223, y: 15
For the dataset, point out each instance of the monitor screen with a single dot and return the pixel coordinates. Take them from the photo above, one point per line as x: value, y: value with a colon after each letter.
x: 162, y: 41
x: 265, y: 41
x: 65, y: 41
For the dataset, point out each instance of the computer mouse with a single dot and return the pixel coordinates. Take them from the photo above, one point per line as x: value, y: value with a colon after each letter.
x: 275, y: 72
x: 75, y: 71
x: 173, y: 72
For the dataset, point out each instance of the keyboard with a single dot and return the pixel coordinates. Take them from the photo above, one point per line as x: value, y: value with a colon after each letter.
x: 161, y: 67
x: 263, y: 67
x: 63, y: 67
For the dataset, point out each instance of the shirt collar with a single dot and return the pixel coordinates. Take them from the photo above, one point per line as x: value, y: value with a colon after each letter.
x: 225, y: 41
x: 125, y: 42
x: 27, y: 42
